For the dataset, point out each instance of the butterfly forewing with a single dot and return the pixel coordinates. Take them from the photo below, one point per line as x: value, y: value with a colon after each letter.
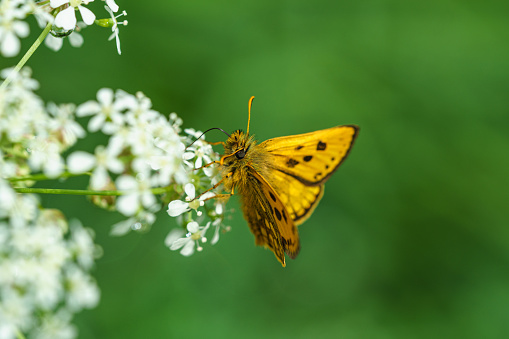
x: 268, y: 218
x: 311, y: 157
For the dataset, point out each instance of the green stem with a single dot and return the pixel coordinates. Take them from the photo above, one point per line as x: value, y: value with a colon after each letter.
x: 156, y: 191
x: 19, y: 334
x: 41, y: 176
x: 27, y: 56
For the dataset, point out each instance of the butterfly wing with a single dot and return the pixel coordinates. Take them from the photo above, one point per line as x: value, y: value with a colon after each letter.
x: 300, y: 200
x: 302, y: 163
x: 268, y: 218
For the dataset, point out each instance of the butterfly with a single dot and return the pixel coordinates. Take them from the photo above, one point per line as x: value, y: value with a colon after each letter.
x: 280, y: 181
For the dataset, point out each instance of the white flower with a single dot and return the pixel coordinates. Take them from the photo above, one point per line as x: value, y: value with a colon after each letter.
x: 201, y: 151
x: 82, y: 290
x: 56, y: 326
x: 54, y: 43
x: 140, y: 221
x: 7, y: 197
x: 15, y: 311
x: 111, y: 4
x: 63, y: 123
x: 169, y: 164
x: 195, y: 234
x: 23, y: 210
x: 82, y: 245
x: 45, y: 156
x: 105, y: 109
x: 114, y: 28
x: 11, y: 27
x: 177, y: 207
x: 40, y: 12
x: 103, y: 161
x: 137, y: 195
x: 67, y: 17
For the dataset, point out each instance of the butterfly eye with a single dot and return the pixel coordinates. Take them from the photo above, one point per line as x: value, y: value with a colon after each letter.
x: 240, y: 154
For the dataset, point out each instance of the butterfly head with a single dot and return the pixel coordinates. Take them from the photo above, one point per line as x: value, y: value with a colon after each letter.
x: 238, y: 143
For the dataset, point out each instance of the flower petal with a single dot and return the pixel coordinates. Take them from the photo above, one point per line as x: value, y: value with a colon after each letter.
x: 179, y: 243
x: 190, y: 191
x: 126, y: 182
x: 79, y: 162
x: 111, y: 4
x: 173, y: 236
x: 199, y: 162
x: 53, y: 43
x: 105, y: 96
x: 87, y: 15
x: 10, y: 45
x: 177, y: 207
x: 88, y: 108
x: 193, y: 227
x: 99, y: 178
x: 76, y: 39
x: 66, y: 19
x: 57, y: 3
x: 188, y: 249
x: 206, y: 196
x: 128, y: 204
x: 121, y: 228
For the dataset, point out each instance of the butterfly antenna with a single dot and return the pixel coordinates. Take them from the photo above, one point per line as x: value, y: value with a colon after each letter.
x: 210, y: 129
x: 249, y: 113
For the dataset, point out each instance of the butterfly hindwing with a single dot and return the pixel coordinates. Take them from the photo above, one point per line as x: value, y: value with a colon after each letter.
x: 311, y: 158
x: 299, y: 199
x: 268, y: 218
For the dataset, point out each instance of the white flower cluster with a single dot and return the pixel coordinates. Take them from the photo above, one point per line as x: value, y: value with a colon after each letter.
x: 35, y: 133
x: 145, y: 151
x: 44, y: 269
x: 60, y: 13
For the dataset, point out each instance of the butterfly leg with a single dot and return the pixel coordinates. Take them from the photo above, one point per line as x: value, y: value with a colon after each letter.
x: 221, y: 161
x: 207, y: 165
x: 216, y: 186
x: 224, y: 196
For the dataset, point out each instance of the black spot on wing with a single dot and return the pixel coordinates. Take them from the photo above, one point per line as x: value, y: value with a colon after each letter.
x: 299, y: 147
x: 318, y: 175
x: 284, y: 216
x: 292, y: 163
x: 308, y: 158
x: 321, y: 146
x: 278, y: 214
x: 272, y: 196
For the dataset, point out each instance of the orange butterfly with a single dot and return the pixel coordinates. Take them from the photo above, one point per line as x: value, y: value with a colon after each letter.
x: 280, y: 181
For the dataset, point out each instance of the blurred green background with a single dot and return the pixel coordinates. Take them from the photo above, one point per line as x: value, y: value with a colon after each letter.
x: 411, y: 239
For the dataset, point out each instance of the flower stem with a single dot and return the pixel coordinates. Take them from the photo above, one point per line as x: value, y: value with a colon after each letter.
x: 41, y: 176
x: 27, y: 56
x: 19, y: 335
x: 157, y: 191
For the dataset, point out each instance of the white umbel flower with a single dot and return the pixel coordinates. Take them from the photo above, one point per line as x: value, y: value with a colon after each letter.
x: 103, y: 161
x: 137, y: 195
x: 11, y: 27
x: 177, y: 207
x: 194, y: 236
x: 107, y: 108
x: 67, y: 17
x: 114, y: 28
